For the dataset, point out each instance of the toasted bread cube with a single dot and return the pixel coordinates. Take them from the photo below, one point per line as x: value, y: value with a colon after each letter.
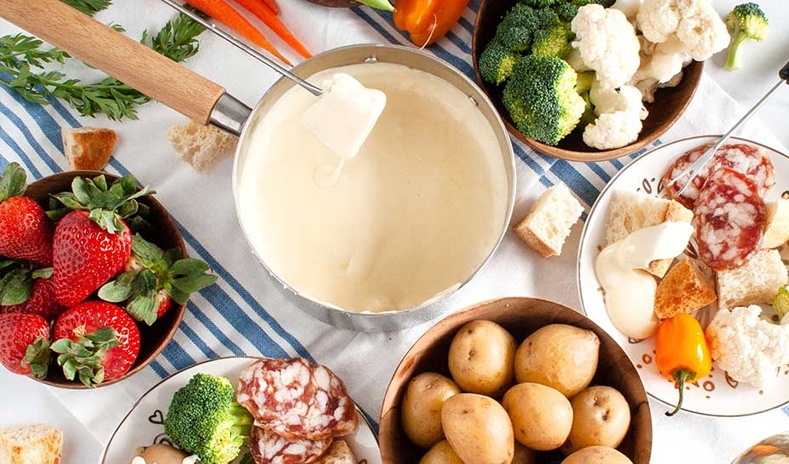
x: 31, y: 444
x: 338, y: 453
x: 756, y: 282
x: 684, y: 289
x: 550, y: 220
x: 88, y: 148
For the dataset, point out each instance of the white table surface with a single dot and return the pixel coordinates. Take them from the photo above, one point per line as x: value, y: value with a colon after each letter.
x: 24, y: 401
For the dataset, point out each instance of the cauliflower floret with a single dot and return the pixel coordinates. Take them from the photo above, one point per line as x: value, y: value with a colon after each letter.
x: 696, y: 24
x: 746, y: 346
x: 607, y: 100
x: 613, y: 130
x: 607, y: 43
x: 629, y: 8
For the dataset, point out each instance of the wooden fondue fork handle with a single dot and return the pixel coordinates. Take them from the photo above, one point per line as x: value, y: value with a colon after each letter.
x: 119, y: 56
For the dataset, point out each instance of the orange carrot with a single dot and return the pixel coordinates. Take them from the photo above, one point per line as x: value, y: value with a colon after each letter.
x: 259, y: 9
x: 272, y: 4
x: 225, y: 14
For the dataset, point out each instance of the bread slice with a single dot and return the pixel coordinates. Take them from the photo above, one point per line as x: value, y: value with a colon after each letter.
x: 201, y: 146
x: 338, y: 453
x: 684, y: 289
x: 756, y: 282
x: 631, y: 211
x: 550, y: 220
x: 776, y: 232
x: 31, y: 444
x: 88, y: 148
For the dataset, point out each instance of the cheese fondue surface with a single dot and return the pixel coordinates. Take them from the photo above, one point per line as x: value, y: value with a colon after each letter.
x: 410, y: 217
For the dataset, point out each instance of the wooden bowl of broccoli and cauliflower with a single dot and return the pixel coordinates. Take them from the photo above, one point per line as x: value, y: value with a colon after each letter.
x: 575, y: 80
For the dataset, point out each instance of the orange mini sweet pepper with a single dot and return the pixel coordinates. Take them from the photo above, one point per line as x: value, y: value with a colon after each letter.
x: 681, y: 352
x: 426, y: 21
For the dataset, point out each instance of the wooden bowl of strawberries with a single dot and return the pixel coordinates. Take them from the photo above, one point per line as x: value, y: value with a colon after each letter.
x: 94, y: 277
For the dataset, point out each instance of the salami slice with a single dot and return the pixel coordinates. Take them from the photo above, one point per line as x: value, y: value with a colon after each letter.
x: 269, y: 448
x: 745, y: 159
x: 295, y: 398
x: 729, y: 219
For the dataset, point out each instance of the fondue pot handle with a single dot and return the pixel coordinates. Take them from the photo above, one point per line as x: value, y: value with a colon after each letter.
x: 125, y: 59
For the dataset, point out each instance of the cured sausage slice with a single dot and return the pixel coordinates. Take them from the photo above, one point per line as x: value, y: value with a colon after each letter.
x: 295, y: 398
x: 729, y: 218
x: 745, y: 159
x: 269, y: 448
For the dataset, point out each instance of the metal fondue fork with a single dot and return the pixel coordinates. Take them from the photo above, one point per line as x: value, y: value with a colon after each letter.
x: 313, y: 89
x: 702, y: 161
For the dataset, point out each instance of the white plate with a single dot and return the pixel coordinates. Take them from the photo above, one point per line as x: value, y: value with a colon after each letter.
x: 142, y: 426
x: 718, y: 394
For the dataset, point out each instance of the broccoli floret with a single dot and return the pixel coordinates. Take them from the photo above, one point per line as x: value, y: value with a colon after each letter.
x: 203, y: 419
x: 496, y: 63
x: 781, y: 301
x: 583, y: 84
x: 517, y: 27
x: 553, y: 41
x: 541, y: 98
x: 541, y: 3
x: 565, y: 11
x: 605, y: 3
x: 745, y: 21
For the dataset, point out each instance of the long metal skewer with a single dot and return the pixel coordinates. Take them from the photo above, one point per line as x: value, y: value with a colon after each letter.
x: 702, y: 161
x: 317, y: 91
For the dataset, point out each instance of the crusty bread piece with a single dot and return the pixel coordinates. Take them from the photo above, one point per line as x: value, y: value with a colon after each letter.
x: 31, y: 444
x: 88, y: 148
x: 756, y: 282
x: 201, y: 146
x: 339, y: 453
x: 684, y: 289
x: 548, y: 224
x: 776, y: 231
x: 630, y: 211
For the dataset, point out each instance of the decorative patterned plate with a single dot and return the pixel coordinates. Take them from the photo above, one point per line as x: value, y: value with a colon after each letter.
x: 718, y: 394
x: 142, y: 426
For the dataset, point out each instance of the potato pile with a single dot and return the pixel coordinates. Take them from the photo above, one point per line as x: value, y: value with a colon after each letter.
x: 505, y: 402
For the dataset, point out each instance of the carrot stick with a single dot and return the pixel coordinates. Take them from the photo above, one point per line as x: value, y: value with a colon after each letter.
x: 225, y: 14
x: 272, y: 4
x: 259, y: 9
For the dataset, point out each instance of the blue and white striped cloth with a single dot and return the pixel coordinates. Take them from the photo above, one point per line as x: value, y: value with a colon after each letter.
x: 246, y: 312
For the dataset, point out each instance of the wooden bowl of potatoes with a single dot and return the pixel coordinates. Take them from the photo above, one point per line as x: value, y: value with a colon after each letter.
x: 516, y: 380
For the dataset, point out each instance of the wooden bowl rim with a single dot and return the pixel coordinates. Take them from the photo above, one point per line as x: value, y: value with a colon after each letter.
x: 178, y: 310
x: 571, y: 155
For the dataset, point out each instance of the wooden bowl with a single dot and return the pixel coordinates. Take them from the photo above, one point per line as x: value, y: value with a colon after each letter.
x: 667, y: 108
x: 164, y: 233
x: 521, y: 317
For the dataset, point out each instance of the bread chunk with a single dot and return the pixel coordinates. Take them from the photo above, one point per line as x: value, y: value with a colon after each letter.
x: 776, y: 231
x: 31, y: 444
x: 684, y: 289
x: 88, y: 148
x: 756, y: 282
x: 339, y: 453
x: 201, y: 146
x: 632, y: 211
x: 550, y: 220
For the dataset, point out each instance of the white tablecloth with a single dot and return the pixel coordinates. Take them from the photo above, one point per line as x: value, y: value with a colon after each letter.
x: 246, y: 313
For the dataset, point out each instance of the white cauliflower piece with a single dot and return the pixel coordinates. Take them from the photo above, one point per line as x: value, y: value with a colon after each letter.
x: 608, y: 100
x: 607, y: 43
x: 748, y: 347
x: 613, y: 130
x: 629, y: 8
x: 696, y: 24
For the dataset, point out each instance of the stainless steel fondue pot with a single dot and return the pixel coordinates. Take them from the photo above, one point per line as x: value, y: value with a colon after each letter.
x: 205, y: 101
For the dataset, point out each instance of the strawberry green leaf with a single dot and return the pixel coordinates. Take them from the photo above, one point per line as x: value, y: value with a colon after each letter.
x: 84, y: 356
x: 7, y: 263
x: 178, y: 296
x: 15, y: 287
x: 12, y: 182
x: 171, y: 256
x: 145, y: 282
x: 193, y: 284
x: 100, y: 182
x: 127, y: 184
x: 189, y: 267
x: 68, y: 200
x: 148, y: 252
x: 37, y: 356
x: 128, y: 209
x: 43, y: 273
x: 81, y: 191
x: 115, y: 291
x: 142, y: 308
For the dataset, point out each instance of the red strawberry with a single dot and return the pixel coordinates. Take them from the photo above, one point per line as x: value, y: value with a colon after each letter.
x: 24, y: 344
x: 85, y: 256
x: 164, y: 303
x: 106, y: 331
x: 42, y: 301
x: 25, y: 229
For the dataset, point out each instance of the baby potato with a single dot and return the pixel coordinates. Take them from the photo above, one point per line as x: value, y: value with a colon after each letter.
x: 441, y: 453
x: 524, y: 455
x: 478, y: 429
x: 481, y: 358
x: 601, y: 416
x: 560, y: 356
x: 420, y: 413
x: 597, y: 455
x: 541, y: 416
x: 162, y: 454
